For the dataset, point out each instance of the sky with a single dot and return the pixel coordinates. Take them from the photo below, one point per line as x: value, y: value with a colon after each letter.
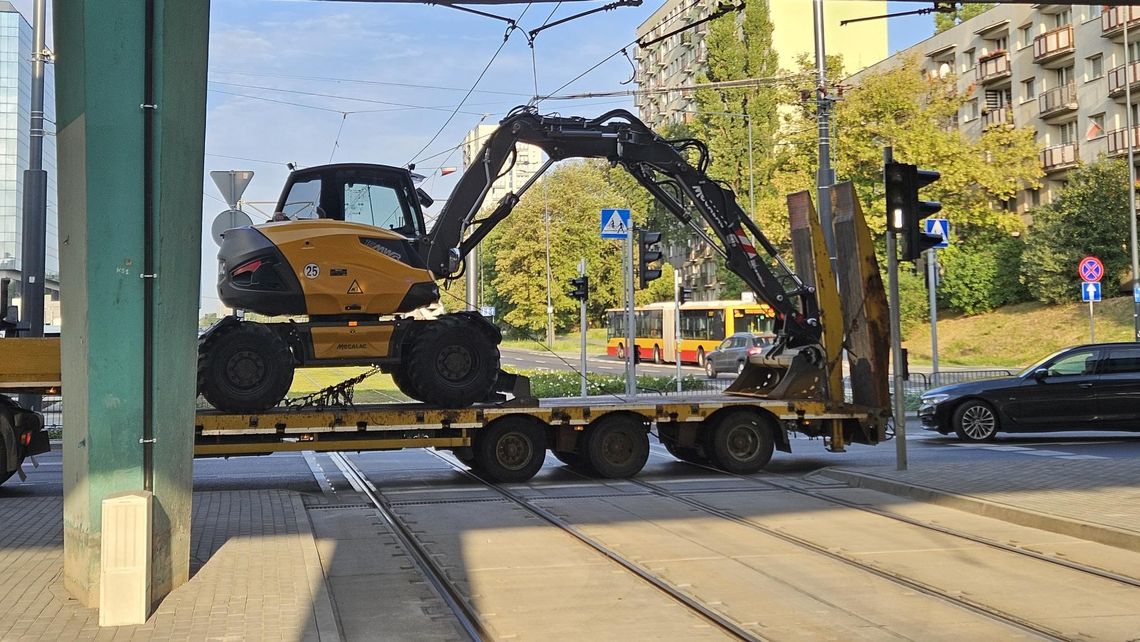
x: 312, y: 82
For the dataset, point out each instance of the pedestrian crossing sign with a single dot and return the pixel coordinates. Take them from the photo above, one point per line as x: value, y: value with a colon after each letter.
x: 615, y: 224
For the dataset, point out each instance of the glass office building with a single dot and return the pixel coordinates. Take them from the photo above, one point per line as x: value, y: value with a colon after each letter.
x: 15, y: 139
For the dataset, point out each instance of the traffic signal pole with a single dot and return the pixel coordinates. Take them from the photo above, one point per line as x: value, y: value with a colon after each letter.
x: 894, y: 217
x: 582, y: 326
x: 677, y: 325
x: 630, y: 348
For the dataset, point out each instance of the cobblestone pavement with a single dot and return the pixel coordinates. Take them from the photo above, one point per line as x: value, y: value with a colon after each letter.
x: 255, y: 575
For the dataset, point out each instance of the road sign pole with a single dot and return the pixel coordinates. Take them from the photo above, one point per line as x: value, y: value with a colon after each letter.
x: 630, y: 346
x: 932, y: 280
x: 582, y: 326
x: 1092, y: 324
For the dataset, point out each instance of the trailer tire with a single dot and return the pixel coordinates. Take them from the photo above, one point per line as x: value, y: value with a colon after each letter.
x: 741, y: 442
x: 510, y: 449
x: 617, y: 445
x: 244, y: 367
x: 452, y: 363
x: 4, y: 472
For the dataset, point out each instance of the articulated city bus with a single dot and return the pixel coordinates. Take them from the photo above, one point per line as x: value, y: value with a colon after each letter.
x: 704, y: 324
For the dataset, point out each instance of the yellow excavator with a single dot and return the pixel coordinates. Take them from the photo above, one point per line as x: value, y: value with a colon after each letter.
x: 353, y: 258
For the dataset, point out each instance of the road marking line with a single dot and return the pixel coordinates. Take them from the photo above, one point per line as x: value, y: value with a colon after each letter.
x: 318, y: 472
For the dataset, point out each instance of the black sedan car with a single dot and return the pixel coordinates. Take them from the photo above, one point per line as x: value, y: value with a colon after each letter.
x: 1089, y: 387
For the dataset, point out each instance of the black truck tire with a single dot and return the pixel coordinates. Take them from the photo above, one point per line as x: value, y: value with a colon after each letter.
x: 741, y: 442
x: 452, y: 362
x: 510, y: 449
x: 244, y: 367
x: 617, y: 445
x: 404, y: 382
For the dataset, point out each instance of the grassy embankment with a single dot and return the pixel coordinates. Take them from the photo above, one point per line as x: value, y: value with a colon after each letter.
x: 1018, y: 335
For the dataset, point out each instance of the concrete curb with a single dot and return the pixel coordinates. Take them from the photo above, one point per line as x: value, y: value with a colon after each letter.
x: 324, y: 614
x: 1100, y: 533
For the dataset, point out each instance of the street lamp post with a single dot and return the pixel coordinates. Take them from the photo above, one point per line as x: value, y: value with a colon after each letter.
x: 1131, y: 181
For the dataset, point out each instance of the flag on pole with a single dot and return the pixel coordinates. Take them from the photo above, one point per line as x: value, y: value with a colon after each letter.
x: 1093, y: 131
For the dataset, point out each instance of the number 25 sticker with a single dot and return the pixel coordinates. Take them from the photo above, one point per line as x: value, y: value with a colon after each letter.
x: 312, y: 271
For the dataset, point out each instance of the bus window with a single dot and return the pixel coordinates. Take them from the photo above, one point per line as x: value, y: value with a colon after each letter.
x: 756, y: 323
x: 716, y: 325
x: 615, y: 324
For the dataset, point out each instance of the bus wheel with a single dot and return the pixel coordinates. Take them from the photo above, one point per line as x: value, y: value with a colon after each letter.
x: 621, y: 352
x: 701, y: 357
x: 617, y: 445
x: 656, y: 354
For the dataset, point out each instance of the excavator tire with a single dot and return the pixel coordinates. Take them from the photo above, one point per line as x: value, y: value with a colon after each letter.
x: 452, y: 362
x: 404, y: 382
x: 244, y: 367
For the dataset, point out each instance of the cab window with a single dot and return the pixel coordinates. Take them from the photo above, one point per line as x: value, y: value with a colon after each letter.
x: 377, y: 203
x: 1077, y: 363
x: 303, y: 200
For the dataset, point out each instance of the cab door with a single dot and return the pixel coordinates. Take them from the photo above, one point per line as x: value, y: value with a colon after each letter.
x: 1064, y: 398
x: 1118, y: 389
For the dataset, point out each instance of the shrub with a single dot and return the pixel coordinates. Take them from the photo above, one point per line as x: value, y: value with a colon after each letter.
x: 546, y: 385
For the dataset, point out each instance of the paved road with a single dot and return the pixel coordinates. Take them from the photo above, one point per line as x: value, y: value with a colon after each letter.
x: 541, y: 359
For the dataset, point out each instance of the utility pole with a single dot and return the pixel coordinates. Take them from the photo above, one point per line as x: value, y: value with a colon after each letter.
x: 630, y: 321
x: 472, y: 279
x: 677, y: 291
x: 549, y: 305
x: 826, y: 177
x: 582, y: 327
x: 33, y: 245
x: 1128, y: 121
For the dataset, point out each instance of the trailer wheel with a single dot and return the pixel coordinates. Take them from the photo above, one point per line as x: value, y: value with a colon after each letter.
x: 741, y: 442
x: 510, y: 449
x: 4, y: 472
x: 244, y: 367
x: 617, y: 445
x: 452, y: 363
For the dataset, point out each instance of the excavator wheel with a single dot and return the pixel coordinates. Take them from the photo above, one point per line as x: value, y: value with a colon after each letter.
x: 404, y: 382
x: 452, y: 362
x: 244, y: 367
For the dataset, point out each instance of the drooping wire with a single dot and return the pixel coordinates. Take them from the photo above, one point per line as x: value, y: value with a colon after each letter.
x: 506, y: 39
x: 336, y: 142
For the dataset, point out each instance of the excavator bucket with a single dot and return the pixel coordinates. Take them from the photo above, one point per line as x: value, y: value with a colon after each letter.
x: 802, y: 373
x: 790, y: 375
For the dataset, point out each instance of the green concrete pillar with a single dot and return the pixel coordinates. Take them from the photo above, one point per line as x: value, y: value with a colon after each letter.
x: 101, y: 53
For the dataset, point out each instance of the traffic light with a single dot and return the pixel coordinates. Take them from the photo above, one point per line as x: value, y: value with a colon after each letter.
x: 905, y: 210
x: 581, y: 288
x: 646, y: 240
x: 683, y: 294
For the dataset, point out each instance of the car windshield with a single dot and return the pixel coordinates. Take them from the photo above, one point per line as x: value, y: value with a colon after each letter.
x: 1028, y: 371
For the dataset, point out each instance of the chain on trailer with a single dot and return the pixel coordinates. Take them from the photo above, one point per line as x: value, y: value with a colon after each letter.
x: 338, y: 395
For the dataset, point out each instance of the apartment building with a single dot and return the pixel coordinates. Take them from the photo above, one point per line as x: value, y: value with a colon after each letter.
x: 1057, y: 68
x: 667, y: 68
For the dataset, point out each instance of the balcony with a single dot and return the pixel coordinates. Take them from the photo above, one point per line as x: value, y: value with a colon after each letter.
x: 997, y: 117
x: 1113, y: 19
x: 1118, y: 141
x: 1057, y: 101
x: 1054, y: 44
x: 1118, y: 79
x: 1059, y: 157
x: 993, y: 67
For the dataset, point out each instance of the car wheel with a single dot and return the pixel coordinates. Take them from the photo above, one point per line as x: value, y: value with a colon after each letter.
x: 739, y: 367
x: 975, y: 421
x: 710, y: 369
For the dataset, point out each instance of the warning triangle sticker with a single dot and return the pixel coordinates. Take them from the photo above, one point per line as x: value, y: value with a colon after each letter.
x: 355, y: 288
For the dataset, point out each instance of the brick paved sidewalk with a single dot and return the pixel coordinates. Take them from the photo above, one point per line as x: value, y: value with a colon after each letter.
x: 255, y: 575
x: 1097, y: 500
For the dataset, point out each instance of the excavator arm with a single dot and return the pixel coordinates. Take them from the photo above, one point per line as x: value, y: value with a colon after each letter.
x: 663, y: 168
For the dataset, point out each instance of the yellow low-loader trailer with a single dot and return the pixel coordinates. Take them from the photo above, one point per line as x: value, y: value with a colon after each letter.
x: 607, y: 436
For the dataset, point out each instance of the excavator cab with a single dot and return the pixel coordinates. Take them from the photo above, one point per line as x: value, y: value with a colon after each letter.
x: 378, y: 195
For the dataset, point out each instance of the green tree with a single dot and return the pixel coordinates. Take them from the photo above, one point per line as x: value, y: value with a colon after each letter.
x: 982, y: 275
x: 574, y: 193
x: 1088, y: 217
x: 960, y: 13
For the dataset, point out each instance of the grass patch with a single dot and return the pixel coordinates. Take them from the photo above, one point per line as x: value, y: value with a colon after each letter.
x: 1017, y: 335
x: 571, y: 342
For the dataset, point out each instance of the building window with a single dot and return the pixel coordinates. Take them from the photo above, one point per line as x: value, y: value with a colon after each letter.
x: 970, y: 110
x: 967, y: 60
x: 1028, y: 90
x: 1001, y: 43
x: 1035, y: 198
x: 1096, y: 126
x: 1067, y: 133
x: 1094, y: 67
x: 1025, y: 36
x: 1062, y: 19
x: 1133, y: 51
x: 1095, y: 11
x: 1064, y: 76
x: 997, y: 98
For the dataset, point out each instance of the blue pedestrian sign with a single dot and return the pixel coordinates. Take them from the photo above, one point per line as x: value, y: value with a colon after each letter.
x: 939, y: 227
x: 615, y: 224
x: 1090, y: 291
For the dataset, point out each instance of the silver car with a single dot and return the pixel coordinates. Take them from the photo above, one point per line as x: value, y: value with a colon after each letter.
x: 733, y: 352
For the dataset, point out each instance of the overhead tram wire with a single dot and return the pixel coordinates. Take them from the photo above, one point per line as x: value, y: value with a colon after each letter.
x: 506, y: 39
x: 333, y: 96
x: 364, y: 82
